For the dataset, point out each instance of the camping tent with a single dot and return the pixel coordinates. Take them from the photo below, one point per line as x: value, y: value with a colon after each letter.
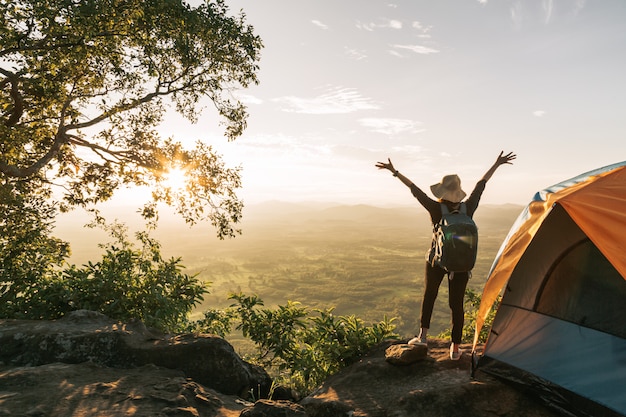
x: 560, y: 328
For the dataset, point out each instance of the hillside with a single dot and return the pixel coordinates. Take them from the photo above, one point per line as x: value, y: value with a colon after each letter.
x: 360, y: 259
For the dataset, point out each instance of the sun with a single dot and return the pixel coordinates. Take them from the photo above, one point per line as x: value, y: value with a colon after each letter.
x: 176, y: 179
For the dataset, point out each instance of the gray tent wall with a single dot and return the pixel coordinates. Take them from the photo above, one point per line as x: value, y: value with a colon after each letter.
x: 561, y: 325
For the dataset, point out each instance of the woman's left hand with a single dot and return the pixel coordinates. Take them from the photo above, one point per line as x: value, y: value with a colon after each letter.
x: 383, y: 165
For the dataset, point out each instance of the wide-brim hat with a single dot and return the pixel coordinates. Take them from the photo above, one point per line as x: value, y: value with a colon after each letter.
x: 449, y: 189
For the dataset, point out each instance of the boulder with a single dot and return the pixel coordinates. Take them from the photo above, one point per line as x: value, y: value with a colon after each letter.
x: 87, y: 336
x: 267, y: 408
x: 405, y: 354
x: 88, y: 389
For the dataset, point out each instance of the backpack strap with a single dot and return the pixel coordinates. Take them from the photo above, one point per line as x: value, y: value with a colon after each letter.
x: 445, y: 210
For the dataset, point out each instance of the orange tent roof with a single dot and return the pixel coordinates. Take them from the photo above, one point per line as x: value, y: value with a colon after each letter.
x: 596, y: 201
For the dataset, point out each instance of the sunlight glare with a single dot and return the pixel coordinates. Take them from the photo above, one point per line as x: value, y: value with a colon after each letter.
x: 176, y: 179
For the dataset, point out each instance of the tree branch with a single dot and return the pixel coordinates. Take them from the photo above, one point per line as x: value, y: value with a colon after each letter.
x: 115, y: 110
x: 132, y: 104
x: 45, y: 44
x: 18, y: 102
x: 14, y: 171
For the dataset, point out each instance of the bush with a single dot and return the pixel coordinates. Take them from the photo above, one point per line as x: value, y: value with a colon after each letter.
x: 130, y: 283
x: 302, y: 348
x: 127, y: 283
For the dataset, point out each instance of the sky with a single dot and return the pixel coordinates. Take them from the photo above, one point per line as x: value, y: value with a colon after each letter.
x: 440, y: 87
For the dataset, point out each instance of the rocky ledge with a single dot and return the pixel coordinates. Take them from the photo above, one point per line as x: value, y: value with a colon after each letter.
x: 89, y: 365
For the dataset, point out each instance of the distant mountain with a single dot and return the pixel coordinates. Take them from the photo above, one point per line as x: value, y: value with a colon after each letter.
x: 279, y: 220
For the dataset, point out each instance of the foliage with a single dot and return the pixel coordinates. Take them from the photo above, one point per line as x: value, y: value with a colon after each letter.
x: 127, y: 283
x: 308, y: 347
x: 27, y: 251
x: 218, y: 322
x: 83, y: 87
x: 472, y: 303
x: 130, y: 283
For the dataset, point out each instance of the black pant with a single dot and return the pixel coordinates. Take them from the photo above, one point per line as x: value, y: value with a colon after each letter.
x: 456, y: 291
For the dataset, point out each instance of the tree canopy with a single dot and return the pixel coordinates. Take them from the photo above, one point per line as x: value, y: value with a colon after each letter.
x: 85, y: 84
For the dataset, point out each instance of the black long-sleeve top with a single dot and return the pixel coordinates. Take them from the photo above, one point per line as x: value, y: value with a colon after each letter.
x: 434, y: 206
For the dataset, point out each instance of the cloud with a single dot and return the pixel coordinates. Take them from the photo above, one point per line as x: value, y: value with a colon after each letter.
x: 355, y: 54
x: 365, y: 26
x: 390, y: 126
x: 424, y: 30
x: 269, y: 141
x: 319, y: 24
x: 408, y: 150
x: 248, y: 99
x: 548, y: 7
x: 521, y: 12
x: 279, y: 145
x: 386, y: 24
x: 337, y: 100
x: 418, y: 49
x: 516, y: 14
x: 580, y: 4
x: 539, y: 113
x: 395, y: 24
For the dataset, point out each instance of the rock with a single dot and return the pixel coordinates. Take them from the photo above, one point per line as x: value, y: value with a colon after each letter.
x: 89, y: 365
x: 322, y: 407
x: 432, y: 387
x: 405, y: 354
x: 267, y: 408
x: 88, y: 389
x: 92, y: 337
x: 281, y: 392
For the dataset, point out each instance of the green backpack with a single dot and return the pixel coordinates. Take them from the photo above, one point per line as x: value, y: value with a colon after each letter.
x: 455, y: 240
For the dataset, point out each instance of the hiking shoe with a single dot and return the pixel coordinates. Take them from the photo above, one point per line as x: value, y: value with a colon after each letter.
x: 455, y: 356
x: 418, y: 340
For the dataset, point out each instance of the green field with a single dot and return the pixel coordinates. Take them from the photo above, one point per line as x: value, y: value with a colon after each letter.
x: 361, y: 260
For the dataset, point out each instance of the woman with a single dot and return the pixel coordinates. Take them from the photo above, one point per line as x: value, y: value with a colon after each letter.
x: 450, y: 193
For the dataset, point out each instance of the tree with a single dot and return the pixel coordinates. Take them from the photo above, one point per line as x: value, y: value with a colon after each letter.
x: 83, y: 87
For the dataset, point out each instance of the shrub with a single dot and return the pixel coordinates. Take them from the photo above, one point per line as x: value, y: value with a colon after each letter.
x: 127, y: 283
x: 130, y: 283
x: 301, y: 347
